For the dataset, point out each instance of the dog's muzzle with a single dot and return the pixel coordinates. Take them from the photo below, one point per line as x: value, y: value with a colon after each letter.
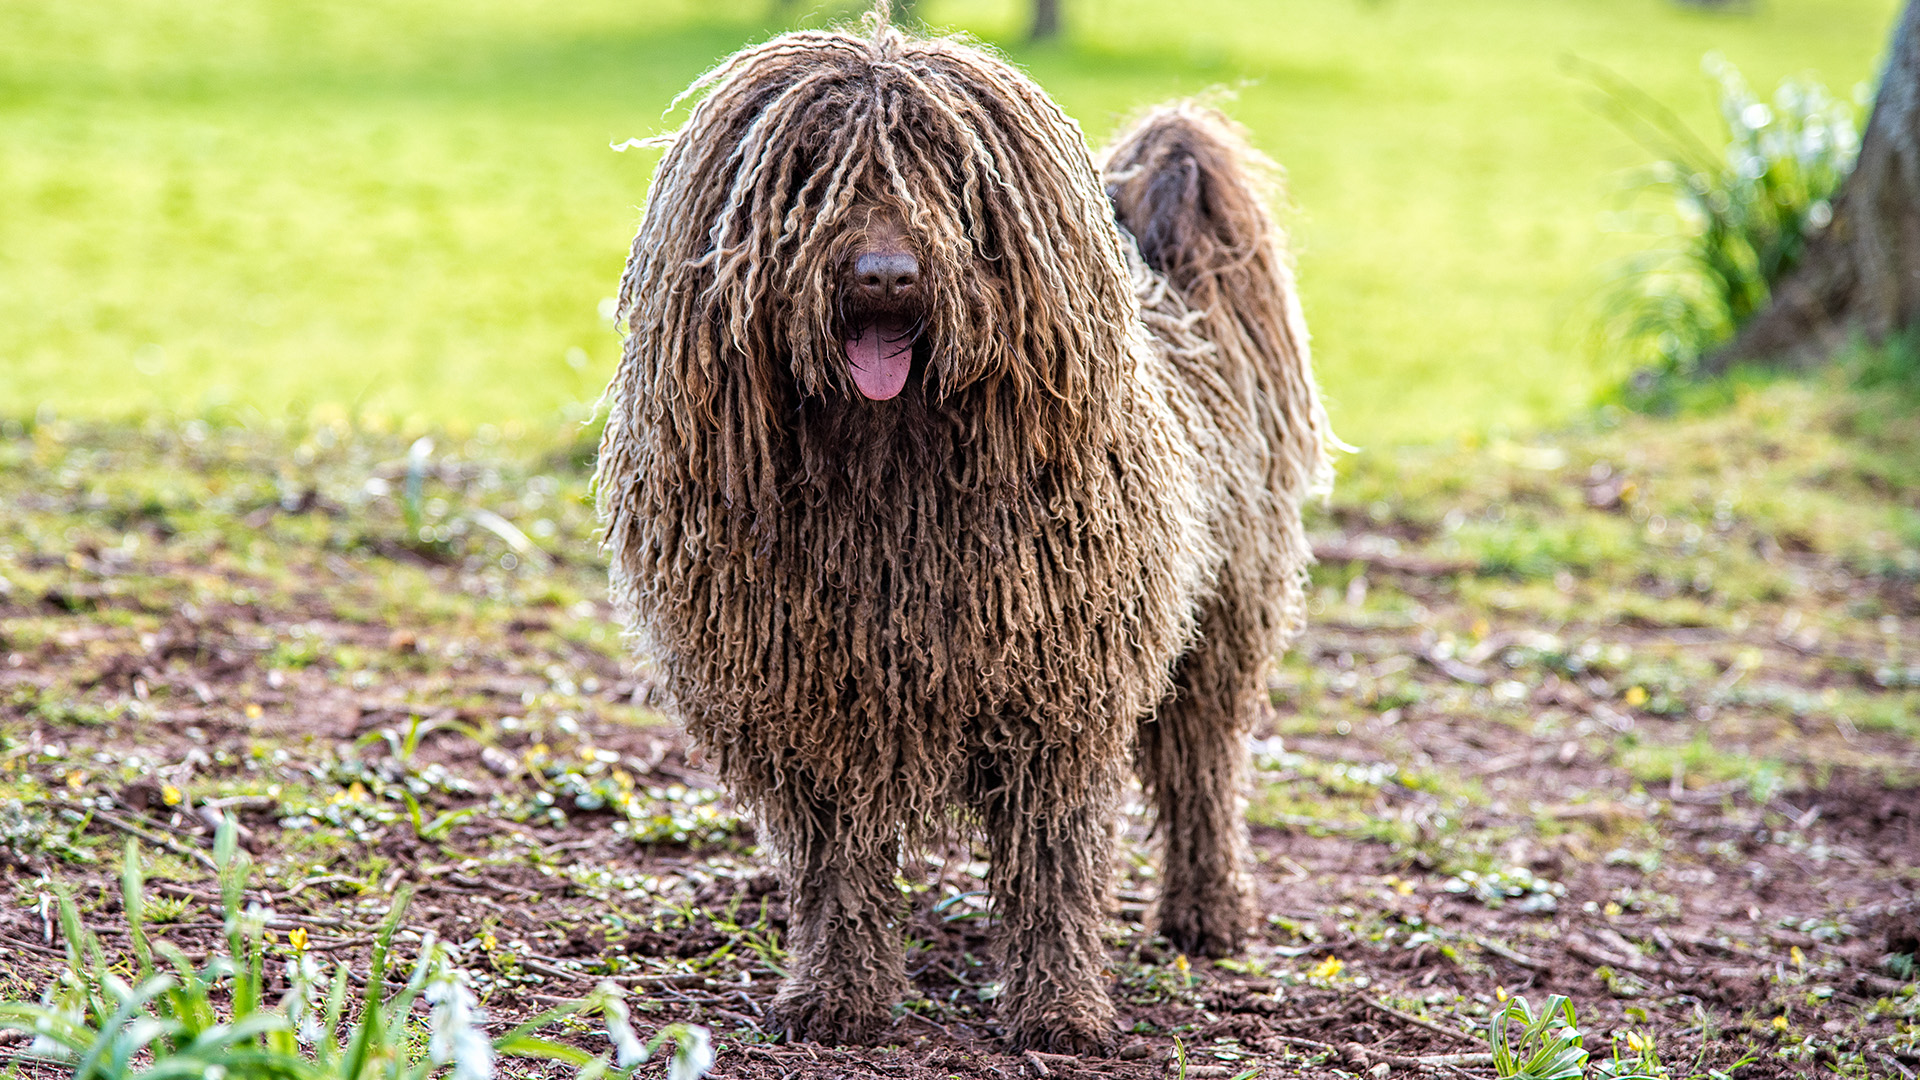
x: 883, y: 292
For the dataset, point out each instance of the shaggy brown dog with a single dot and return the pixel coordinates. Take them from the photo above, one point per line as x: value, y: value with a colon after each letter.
x: 936, y: 497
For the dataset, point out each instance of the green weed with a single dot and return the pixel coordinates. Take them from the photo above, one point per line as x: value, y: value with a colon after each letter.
x: 1735, y: 219
x: 1500, y: 886
x: 441, y: 824
x: 176, y: 1019
x: 1546, y: 1047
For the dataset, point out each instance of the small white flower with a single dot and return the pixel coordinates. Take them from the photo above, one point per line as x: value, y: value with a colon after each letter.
x: 627, y: 1048
x: 692, y: 1053
x: 303, y: 997
x: 457, y: 1025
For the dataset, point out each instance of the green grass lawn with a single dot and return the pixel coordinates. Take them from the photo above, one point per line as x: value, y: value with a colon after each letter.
x: 408, y: 210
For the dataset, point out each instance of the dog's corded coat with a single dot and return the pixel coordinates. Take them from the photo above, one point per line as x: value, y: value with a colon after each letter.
x: 969, y: 597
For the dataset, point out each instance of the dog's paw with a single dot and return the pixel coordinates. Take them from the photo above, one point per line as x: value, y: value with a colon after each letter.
x: 1204, y: 929
x: 1088, y: 1030
x: 832, y: 1016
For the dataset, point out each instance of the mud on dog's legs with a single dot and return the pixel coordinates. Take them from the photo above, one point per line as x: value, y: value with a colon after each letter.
x: 1052, y: 855
x: 845, y: 965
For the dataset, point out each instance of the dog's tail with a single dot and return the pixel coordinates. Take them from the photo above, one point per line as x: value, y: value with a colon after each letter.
x: 1197, y: 199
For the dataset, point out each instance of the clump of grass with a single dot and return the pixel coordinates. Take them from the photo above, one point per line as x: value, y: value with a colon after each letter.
x: 213, y: 1019
x: 1893, y: 364
x: 1546, y: 1047
x: 1732, y: 221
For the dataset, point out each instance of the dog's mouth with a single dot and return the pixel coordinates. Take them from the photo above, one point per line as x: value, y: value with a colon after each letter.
x: 880, y: 353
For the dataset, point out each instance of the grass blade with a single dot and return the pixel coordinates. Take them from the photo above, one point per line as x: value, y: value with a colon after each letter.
x: 132, y: 890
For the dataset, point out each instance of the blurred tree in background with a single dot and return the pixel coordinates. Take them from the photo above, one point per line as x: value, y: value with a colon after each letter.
x: 1860, y: 275
x: 1046, y: 19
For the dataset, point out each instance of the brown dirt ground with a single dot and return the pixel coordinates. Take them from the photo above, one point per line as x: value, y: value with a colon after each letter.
x: 1693, y: 910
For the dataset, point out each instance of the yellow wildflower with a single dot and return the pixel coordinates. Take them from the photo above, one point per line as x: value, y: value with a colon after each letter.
x: 170, y: 795
x: 1328, y: 968
x: 1636, y: 696
x: 297, y: 937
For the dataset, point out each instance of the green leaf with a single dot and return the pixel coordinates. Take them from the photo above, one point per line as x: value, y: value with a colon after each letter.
x: 546, y: 1049
x: 132, y: 889
x: 110, y: 1030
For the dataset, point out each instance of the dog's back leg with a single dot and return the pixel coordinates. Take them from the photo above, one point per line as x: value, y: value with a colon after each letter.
x: 1192, y: 758
x: 1194, y: 196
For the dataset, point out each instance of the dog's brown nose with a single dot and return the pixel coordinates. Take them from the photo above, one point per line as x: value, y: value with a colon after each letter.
x: 888, y: 276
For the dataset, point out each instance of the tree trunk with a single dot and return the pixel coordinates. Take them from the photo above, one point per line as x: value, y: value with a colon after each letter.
x: 1046, y: 20
x: 1861, y: 275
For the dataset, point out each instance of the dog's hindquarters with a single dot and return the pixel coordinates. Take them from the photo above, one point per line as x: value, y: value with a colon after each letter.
x: 1218, y: 294
x: 1196, y: 198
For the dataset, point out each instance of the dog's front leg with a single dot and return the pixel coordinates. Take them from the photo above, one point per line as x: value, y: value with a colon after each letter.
x: 1052, y: 857
x: 845, y: 965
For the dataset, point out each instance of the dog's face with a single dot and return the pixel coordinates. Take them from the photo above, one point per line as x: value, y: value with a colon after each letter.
x: 859, y: 221
x: 883, y: 308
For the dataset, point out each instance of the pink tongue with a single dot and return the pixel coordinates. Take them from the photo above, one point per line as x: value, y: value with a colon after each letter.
x: 880, y: 355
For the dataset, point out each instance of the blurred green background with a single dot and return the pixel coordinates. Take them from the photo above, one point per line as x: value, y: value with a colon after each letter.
x: 408, y: 211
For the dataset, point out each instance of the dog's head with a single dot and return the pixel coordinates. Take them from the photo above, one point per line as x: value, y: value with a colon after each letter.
x: 858, y: 219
